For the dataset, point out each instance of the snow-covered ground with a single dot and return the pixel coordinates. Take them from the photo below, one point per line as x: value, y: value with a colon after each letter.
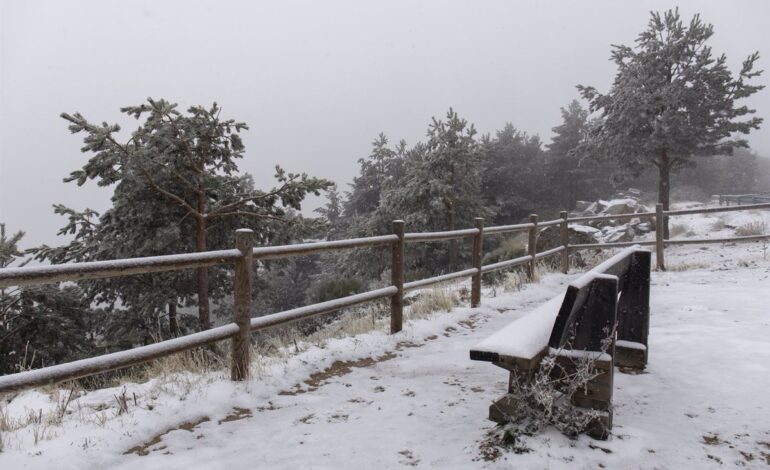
x: 415, y: 399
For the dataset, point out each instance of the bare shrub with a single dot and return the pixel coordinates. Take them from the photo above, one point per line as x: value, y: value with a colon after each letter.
x: 757, y: 227
x: 513, y: 281
x: 545, y: 399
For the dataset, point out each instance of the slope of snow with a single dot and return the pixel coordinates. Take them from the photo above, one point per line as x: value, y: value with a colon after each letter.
x: 701, y: 403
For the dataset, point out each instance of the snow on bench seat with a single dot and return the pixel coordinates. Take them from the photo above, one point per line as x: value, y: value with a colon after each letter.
x: 524, y: 339
x: 621, y: 343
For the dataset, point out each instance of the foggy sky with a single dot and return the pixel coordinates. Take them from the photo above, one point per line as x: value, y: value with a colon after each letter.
x: 316, y: 81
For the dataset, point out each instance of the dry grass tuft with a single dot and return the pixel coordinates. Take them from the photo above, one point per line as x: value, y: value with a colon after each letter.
x: 686, y: 266
x: 718, y: 225
x: 439, y: 299
x: 675, y: 230
x: 513, y: 281
x: 758, y: 227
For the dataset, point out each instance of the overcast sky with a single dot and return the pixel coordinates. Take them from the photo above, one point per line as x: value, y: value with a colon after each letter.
x: 316, y: 81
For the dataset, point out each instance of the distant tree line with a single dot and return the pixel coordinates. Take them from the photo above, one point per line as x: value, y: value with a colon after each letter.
x: 667, y: 123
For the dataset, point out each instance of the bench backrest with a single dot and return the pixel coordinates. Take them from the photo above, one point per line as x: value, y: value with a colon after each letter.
x: 614, y: 293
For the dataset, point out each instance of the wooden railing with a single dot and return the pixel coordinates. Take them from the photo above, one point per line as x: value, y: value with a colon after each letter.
x: 726, y: 199
x: 245, y: 255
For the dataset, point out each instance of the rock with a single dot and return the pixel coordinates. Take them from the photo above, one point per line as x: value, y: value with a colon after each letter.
x: 550, y: 237
x: 621, y: 233
x: 581, y: 206
x: 621, y: 206
x: 644, y: 227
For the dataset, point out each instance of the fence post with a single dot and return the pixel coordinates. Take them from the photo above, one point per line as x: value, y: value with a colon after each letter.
x: 659, y: 245
x: 397, y: 278
x: 532, y: 247
x: 564, y: 239
x: 478, y: 243
x: 244, y: 268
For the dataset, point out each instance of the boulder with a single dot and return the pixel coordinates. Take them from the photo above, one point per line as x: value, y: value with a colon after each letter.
x: 581, y: 206
x: 550, y: 237
x: 621, y: 206
x: 620, y: 233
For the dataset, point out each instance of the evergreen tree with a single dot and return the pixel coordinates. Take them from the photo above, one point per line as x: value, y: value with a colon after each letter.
x: 41, y: 325
x: 189, y: 161
x: 513, y: 174
x: 331, y: 212
x: 671, y: 100
x: 441, y: 189
x: 577, y: 178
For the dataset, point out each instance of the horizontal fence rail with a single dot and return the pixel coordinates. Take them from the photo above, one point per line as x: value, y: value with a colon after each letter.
x: 506, y: 264
x: 507, y: 229
x: 439, y: 236
x: 300, y: 249
x: 591, y: 218
x: 711, y: 210
x: 245, y: 255
x: 705, y: 241
x: 30, y: 275
x: 439, y: 279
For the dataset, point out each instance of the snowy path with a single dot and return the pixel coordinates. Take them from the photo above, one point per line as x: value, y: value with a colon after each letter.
x: 704, y: 401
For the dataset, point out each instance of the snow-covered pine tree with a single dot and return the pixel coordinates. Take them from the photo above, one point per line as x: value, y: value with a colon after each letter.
x: 40, y: 325
x: 570, y: 177
x: 198, y: 152
x: 441, y: 188
x: 671, y: 100
x: 513, y: 174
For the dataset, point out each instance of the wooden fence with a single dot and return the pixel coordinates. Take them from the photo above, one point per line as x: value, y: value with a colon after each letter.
x: 244, y: 255
x: 726, y: 199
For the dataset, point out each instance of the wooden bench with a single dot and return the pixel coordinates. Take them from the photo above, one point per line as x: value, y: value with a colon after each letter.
x: 613, y: 296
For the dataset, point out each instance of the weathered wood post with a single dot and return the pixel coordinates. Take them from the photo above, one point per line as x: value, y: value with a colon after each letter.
x: 532, y: 247
x: 564, y: 240
x: 397, y: 278
x: 478, y: 244
x: 244, y: 269
x: 659, y: 224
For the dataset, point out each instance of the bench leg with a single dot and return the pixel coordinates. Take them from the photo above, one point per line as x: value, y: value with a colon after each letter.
x: 631, y: 357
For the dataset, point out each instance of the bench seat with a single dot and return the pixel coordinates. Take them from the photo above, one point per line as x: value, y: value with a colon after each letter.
x: 523, y: 342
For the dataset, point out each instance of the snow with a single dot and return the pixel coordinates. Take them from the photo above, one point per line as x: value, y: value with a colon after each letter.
x: 622, y: 343
x: 577, y: 354
x: 584, y: 229
x: 701, y: 402
x: 526, y: 337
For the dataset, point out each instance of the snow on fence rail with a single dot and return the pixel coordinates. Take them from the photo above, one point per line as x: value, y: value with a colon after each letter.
x: 245, y: 255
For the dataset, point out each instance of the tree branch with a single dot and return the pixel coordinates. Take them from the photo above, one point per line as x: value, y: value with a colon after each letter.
x: 234, y: 205
x: 170, y: 195
x: 245, y: 213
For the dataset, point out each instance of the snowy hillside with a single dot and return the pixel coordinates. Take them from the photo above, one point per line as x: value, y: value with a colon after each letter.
x: 415, y: 399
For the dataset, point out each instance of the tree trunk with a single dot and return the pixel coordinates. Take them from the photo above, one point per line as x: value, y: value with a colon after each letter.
x: 453, y: 242
x: 204, y: 318
x: 664, y: 189
x: 172, y: 323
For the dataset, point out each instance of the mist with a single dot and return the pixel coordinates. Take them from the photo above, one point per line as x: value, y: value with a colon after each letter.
x: 316, y: 82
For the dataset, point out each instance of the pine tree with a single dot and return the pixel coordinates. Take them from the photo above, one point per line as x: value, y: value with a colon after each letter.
x: 513, y: 174
x: 189, y: 161
x: 578, y: 178
x: 441, y: 189
x: 671, y: 100
x: 41, y: 325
